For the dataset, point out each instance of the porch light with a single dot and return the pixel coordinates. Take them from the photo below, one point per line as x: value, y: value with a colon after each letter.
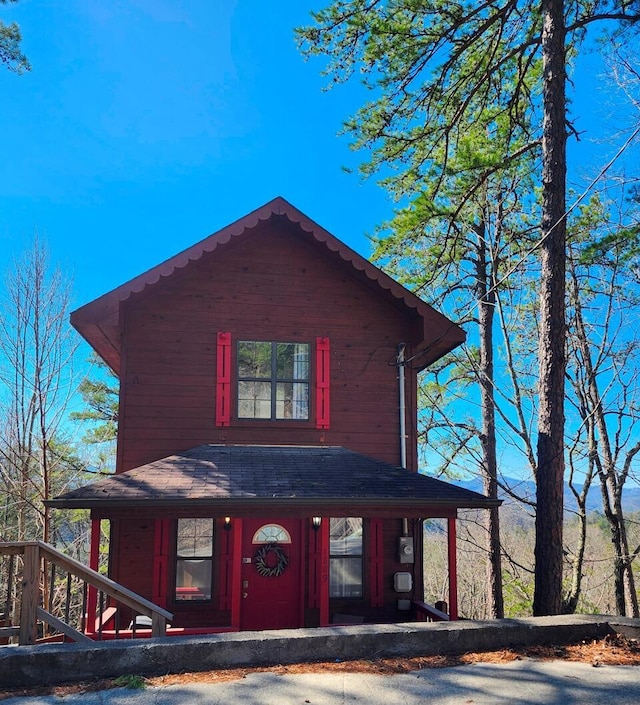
x: 315, y: 522
x: 227, y: 523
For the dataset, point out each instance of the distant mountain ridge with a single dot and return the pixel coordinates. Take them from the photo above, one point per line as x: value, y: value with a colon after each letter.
x: 630, y: 496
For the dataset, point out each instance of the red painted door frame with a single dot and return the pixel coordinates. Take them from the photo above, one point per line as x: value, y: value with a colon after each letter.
x: 276, y: 601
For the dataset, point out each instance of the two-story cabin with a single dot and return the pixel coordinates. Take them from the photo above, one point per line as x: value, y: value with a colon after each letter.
x: 267, y: 453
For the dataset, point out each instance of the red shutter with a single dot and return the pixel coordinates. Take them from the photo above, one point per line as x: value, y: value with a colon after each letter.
x: 376, y: 563
x: 323, y: 406
x: 161, y: 561
x: 223, y: 380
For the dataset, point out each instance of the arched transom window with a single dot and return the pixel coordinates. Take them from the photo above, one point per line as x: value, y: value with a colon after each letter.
x: 271, y: 533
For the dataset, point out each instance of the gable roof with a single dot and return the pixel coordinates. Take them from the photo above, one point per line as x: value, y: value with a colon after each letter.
x: 99, y: 321
x: 228, y: 476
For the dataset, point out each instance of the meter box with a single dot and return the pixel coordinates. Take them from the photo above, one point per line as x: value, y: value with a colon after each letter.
x: 405, y: 549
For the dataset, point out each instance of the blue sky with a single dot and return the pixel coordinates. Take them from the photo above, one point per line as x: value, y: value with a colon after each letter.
x: 145, y: 125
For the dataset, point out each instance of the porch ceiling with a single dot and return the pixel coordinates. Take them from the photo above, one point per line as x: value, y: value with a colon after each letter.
x: 250, y: 475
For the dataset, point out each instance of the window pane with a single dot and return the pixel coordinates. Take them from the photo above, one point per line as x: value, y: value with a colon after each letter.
x: 292, y: 361
x: 345, y: 536
x: 254, y: 400
x: 194, y: 548
x: 292, y: 400
x: 345, y: 564
x: 271, y: 533
x: 193, y: 580
x: 346, y: 577
x: 195, y: 538
x: 254, y: 360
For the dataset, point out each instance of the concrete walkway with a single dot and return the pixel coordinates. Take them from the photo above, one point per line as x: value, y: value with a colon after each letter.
x: 526, y: 682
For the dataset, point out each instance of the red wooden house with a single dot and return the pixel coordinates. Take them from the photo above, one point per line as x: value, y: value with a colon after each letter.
x: 267, y: 455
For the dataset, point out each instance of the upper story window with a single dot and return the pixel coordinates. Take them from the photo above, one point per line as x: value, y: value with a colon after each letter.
x: 273, y: 380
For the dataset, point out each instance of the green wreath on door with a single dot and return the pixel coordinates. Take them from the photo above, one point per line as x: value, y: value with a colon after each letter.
x: 263, y: 565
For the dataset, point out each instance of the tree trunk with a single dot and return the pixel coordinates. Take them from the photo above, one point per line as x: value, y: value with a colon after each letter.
x: 486, y: 298
x: 550, y: 470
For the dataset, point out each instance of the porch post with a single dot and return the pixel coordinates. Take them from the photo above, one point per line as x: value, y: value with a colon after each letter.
x: 30, y: 594
x: 94, y: 564
x: 453, y: 568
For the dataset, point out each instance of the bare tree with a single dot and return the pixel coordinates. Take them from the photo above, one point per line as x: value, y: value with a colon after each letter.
x: 35, y: 386
x: 605, y: 352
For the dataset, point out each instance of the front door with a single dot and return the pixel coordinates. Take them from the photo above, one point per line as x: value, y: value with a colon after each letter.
x: 272, y: 576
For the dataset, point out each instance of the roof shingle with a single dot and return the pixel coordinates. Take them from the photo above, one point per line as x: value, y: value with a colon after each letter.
x: 258, y: 475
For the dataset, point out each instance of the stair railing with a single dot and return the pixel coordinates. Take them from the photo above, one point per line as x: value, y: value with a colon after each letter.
x: 74, y: 594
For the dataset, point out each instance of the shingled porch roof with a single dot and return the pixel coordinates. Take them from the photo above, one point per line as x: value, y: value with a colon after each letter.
x: 249, y: 476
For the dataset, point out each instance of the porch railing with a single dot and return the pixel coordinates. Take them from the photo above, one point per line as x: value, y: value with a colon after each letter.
x: 50, y: 596
x: 424, y: 612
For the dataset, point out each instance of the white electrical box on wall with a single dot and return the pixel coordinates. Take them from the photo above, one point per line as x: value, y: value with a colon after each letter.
x: 405, y: 549
x: 402, y: 582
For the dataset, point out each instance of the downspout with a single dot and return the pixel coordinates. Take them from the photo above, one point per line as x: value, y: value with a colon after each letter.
x: 401, y: 392
x: 403, y: 423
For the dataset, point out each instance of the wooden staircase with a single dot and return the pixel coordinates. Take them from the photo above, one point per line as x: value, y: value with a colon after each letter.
x: 49, y: 596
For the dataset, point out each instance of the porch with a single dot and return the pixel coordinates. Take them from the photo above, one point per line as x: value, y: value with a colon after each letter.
x: 50, y: 597
x: 248, y: 537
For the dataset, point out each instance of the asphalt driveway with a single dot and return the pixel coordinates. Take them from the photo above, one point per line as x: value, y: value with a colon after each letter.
x: 524, y: 682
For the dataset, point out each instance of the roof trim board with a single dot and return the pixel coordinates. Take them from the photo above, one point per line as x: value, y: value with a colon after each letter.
x: 99, y: 321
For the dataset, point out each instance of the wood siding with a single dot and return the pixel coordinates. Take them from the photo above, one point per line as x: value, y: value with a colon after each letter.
x: 271, y: 284
x: 132, y: 566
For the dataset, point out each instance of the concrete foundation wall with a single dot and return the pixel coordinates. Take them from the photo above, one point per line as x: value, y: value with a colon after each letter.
x: 49, y: 664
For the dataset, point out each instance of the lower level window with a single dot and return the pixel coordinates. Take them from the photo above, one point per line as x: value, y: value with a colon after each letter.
x: 345, y: 557
x: 194, y: 559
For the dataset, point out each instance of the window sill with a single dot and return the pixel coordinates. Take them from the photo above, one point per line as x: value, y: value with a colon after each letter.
x: 268, y: 423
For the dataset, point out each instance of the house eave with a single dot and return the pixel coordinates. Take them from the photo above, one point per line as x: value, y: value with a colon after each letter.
x: 312, y: 504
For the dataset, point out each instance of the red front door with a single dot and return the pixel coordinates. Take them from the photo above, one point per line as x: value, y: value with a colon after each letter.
x: 272, y: 576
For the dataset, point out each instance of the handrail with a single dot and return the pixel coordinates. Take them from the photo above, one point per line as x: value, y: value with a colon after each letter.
x: 34, y: 551
x: 108, y: 586
x: 430, y: 612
